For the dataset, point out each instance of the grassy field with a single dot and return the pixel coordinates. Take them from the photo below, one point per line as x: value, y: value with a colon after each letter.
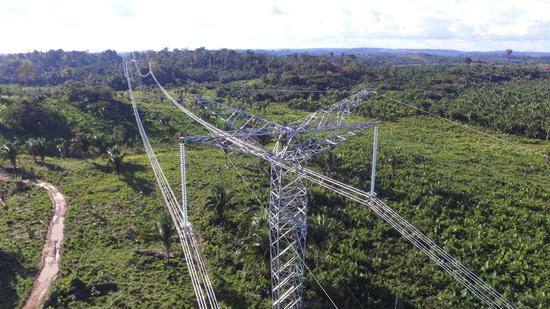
x: 23, y: 226
x: 484, y: 202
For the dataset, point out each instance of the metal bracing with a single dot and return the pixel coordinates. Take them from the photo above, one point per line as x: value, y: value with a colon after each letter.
x: 336, y: 114
x: 326, y: 128
x: 294, y: 169
x: 287, y: 218
x: 287, y: 212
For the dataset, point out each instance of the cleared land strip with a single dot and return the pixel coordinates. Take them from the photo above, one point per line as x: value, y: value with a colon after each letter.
x: 51, y: 253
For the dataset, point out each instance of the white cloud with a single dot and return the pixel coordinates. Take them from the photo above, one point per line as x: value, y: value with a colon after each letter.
x: 277, y: 11
x: 127, y: 25
x: 124, y: 7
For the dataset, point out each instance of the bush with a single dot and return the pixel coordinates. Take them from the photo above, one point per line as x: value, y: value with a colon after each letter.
x: 33, y: 118
x: 82, y: 94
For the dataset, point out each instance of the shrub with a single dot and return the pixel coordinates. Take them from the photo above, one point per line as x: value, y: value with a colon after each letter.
x: 33, y: 118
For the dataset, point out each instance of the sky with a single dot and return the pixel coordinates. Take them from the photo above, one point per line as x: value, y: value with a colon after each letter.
x: 129, y: 25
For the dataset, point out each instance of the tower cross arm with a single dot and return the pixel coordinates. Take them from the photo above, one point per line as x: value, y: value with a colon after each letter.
x: 307, y: 148
x: 218, y: 141
x: 229, y: 142
x: 234, y: 118
x: 336, y: 114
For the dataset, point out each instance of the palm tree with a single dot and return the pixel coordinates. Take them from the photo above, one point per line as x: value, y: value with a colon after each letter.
x: 265, y: 168
x: 398, y: 303
x: 226, y: 156
x: 115, y: 157
x: 255, y: 242
x: 166, y: 230
x: 330, y: 161
x: 4, y: 198
x: 31, y: 149
x: 61, y: 145
x: 42, y: 147
x: 260, y: 237
x: 508, y: 54
x: 100, y: 143
x: 81, y: 144
x: 37, y: 147
x: 19, y: 183
x: 11, y: 149
x: 321, y: 228
x: 392, y: 161
x: 219, y: 200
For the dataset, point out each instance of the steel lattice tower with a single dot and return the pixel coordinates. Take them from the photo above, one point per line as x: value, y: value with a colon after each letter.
x: 288, y: 203
x: 294, y: 145
x: 287, y: 217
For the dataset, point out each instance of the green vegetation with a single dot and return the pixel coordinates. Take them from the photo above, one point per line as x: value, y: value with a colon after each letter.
x: 484, y: 201
x: 24, y: 217
x: 220, y: 201
x: 37, y: 147
x: 462, y: 190
x: 166, y: 231
x: 115, y: 157
x: 11, y: 149
x: 58, y: 66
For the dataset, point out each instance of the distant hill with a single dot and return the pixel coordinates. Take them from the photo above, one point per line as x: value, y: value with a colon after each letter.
x: 56, y: 67
x: 400, y: 51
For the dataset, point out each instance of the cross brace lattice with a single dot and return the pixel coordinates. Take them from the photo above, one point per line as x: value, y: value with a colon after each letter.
x: 294, y: 145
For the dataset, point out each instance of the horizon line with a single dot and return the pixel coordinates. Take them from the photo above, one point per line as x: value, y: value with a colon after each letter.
x: 282, y: 49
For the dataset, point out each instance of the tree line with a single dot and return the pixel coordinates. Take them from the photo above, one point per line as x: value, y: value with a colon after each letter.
x: 510, y: 98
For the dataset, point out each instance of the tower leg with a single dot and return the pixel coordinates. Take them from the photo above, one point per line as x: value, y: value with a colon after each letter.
x: 287, y: 236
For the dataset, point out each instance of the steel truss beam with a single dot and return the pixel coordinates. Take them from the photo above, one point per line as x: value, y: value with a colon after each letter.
x: 287, y: 214
x: 287, y: 217
x: 447, y: 262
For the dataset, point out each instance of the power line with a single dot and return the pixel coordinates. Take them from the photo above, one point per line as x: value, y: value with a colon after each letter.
x: 463, y: 125
x: 264, y: 208
x: 290, y: 90
x: 234, y: 166
x: 447, y: 262
x: 463, y: 275
x: 195, y: 264
x: 316, y: 280
x: 257, y: 90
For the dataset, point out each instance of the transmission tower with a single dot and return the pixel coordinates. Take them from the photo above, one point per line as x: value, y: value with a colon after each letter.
x: 295, y: 144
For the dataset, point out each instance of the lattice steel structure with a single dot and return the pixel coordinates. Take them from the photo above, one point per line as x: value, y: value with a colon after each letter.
x: 291, y: 155
x: 294, y: 145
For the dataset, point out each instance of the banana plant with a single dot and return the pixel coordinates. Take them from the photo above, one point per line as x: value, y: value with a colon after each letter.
x: 11, y: 149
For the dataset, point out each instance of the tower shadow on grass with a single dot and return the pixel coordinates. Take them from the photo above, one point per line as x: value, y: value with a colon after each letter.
x: 137, y: 184
x: 368, y: 296
x: 128, y: 175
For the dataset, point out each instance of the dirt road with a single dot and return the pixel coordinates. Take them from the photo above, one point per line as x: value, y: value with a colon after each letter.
x: 51, y: 253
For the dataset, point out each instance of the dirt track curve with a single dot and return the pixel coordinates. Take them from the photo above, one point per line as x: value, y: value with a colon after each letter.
x: 51, y: 253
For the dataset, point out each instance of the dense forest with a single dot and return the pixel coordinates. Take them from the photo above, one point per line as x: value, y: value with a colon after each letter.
x: 509, y: 98
x: 65, y: 117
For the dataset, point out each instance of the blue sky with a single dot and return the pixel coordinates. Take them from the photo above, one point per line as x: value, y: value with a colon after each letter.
x: 126, y: 25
